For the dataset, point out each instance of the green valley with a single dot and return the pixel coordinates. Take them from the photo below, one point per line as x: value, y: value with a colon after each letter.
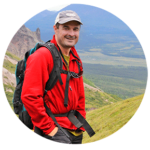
x: 123, y: 81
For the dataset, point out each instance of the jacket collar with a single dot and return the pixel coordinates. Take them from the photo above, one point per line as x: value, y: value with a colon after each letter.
x: 73, y: 52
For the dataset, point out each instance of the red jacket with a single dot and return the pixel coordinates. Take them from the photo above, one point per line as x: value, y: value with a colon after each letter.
x: 39, y: 66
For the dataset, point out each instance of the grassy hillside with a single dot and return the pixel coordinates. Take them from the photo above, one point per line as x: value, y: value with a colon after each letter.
x: 88, y: 82
x: 96, y: 99
x: 108, y: 119
x: 11, y: 55
x: 9, y: 66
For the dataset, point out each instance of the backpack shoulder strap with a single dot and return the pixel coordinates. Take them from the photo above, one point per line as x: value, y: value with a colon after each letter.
x: 55, y: 74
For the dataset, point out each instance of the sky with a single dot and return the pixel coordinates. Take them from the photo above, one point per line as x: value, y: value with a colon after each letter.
x: 58, y: 7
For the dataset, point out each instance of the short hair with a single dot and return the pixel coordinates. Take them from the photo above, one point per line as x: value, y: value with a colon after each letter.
x: 57, y: 25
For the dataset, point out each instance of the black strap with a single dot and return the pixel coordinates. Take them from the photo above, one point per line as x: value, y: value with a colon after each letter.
x: 74, y: 55
x: 62, y: 56
x: 86, y: 126
x: 20, y: 69
x: 78, y: 120
x: 58, y: 75
x: 66, y: 90
x: 27, y: 54
x: 57, y: 70
x: 50, y: 114
x: 55, y: 74
x: 74, y: 120
x: 71, y: 117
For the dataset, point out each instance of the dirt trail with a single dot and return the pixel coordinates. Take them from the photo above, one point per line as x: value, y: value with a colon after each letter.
x: 11, y: 60
x: 92, y: 88
x: 9, y: 78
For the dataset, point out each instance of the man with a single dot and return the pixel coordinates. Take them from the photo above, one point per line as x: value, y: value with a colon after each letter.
x: 39, y: 66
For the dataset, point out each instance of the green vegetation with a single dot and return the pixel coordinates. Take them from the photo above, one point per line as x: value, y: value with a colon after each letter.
x: 131, y: 48
x: 108, y: 119
x: 88, y: 82
x: 9, y: 95
x: 96, y: 57
x: 12, y: 56
x: 115, y: 97
x: 124, y: 82
x: 96, y: 99
x: 9, y: 66
x: 138, y: 73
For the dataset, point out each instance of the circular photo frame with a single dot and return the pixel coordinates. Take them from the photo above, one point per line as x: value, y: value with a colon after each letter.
x: 114, y: 71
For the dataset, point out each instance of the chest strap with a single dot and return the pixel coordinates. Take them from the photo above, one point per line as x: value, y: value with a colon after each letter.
x: 66, y: 90
x: 69, y: 75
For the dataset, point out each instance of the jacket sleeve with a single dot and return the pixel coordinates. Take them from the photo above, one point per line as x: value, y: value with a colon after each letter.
x: 39, y: 65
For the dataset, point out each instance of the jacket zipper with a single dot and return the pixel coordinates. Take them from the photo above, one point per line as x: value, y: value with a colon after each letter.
x: 70, y: 88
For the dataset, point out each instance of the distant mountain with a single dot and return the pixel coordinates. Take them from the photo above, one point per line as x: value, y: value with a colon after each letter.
x: 94, y: 20
x: 24, y: 40
x: 100, y: 29
x: 45, y: 22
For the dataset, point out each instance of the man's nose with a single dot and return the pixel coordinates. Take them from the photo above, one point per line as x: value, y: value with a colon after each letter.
x: 71, y: 33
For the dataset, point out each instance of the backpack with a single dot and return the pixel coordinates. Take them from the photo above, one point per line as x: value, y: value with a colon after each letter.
x: 54, y: 76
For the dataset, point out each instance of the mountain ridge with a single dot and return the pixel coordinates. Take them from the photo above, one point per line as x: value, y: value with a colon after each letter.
x: 24, y: 40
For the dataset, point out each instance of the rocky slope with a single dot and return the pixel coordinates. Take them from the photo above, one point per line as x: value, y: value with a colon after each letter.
x: 24, y: 40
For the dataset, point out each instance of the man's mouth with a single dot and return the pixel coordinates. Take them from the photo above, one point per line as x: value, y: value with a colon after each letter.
x: 70, y: 37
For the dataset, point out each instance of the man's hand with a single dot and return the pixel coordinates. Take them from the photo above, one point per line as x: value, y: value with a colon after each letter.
x: 53, y: 132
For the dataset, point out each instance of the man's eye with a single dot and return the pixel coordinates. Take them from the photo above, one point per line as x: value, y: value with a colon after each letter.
x: 66, y: 28
x: 76, y: 29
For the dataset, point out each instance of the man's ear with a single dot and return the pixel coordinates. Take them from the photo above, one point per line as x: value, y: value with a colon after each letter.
x: 55, y: 28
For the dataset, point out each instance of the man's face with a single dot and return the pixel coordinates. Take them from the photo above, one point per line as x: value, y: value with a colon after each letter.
x: 67, y: 34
